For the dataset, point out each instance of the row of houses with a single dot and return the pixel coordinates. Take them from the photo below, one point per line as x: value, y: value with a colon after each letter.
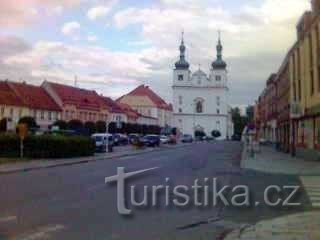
x: 53, y: 101
x: 288, y: 110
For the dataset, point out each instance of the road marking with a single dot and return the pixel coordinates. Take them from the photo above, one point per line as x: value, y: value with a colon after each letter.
x: 43, y: 232
x: 115, y: 177
x: 312, y: 187
x: 8, y: 219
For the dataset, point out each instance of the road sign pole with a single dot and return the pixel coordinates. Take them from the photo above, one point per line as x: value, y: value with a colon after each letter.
x: 21, y: 148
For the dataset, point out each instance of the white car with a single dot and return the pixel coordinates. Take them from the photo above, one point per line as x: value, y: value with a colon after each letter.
x: 102, y: 141
x: 164, y: 139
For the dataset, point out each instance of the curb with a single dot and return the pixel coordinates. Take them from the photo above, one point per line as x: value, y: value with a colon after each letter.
x: 77, y: 162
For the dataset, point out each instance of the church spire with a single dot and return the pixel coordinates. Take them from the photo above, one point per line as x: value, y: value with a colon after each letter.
x: 182, y: 63
x: 219, y: 63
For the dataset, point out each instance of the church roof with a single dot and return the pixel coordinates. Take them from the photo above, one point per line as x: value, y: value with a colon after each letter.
x: 182, y: 62
x: 199, y: 73
x: 219, y: 63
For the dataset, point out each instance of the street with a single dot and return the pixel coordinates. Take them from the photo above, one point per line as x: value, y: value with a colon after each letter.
x: 73, y: 202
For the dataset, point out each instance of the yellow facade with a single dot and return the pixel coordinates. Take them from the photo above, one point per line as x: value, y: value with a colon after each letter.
x: 304, y: 71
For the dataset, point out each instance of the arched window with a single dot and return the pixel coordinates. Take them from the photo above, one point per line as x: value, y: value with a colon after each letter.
x: 199, y: 105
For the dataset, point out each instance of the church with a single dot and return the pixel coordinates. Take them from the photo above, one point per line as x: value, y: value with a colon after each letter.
x: 200, y: 101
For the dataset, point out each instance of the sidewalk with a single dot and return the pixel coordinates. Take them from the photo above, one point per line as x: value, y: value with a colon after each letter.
x: 271, y: 161
x: 45, y: 163
x: 302, y: 226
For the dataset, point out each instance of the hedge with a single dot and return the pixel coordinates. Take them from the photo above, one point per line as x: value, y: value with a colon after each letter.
x: 47, y: 146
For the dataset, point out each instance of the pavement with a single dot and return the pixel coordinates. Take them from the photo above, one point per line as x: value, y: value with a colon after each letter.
x: 73, y: 201
x: 271, y: 161
x: 120, y: 151
x: 304, y: 225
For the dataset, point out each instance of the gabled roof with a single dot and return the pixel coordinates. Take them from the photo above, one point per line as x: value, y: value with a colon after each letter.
x: 112, y: 105
x: 128, y: 110
x: 143, y: 90
x: 82, y: 98
x: 8, y: 96
x: 26, y: 95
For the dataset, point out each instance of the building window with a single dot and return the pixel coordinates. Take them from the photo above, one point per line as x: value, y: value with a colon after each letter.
x: 180, y: 100
x: 180, y: 77
x: 11, y: 112
x: 218, y: 111
x: 50, y: 116
x: 180, y: 110
x: 318, y: 78
x: 2, y: 111
x: 199, y: 107
x: 218, y: 101
x: 311, y: 50
x: 42, y: 115
x: 56, y: 116
x: 218, y: 78
x: 35, y: 114
x: 311, y: 82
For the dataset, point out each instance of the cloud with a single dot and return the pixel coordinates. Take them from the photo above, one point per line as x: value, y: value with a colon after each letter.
x: 26, y: 12
x: 255, y: 36
x: 92, y: 38
x: 101, y: 10
x: 70, y: 27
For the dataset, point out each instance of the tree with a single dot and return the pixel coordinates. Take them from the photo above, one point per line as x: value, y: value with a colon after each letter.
x: 30, y: 122
x: 199, y: 134
x: 3, y: 125
x: 239, y: 121
x: 112, y: 127
x: 90, y: 127
x: 215, y: 134
x: 75, y: 125
x: 63, y: 125
x: 250, y: 113
x: 101, y: 127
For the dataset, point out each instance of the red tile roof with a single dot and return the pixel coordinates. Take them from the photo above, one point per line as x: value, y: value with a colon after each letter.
x: 128, y: 110
x: 143, y: 90
x: 8, y: 96
x: 34, y: 97
x: 112, y: 105
x: 82, y: 98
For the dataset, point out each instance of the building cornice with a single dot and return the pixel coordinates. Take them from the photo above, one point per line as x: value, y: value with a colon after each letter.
x: 201, y: 87
x: 200, y: 115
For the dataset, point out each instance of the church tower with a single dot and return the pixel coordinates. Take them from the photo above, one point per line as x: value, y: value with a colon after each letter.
x: 200, y: 101
x: 218, y: 72
x: 181, y: 71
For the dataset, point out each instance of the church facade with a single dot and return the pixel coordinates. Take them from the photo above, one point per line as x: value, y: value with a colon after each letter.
x: 200, y: 101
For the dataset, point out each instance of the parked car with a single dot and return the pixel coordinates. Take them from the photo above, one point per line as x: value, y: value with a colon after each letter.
x: 236, y: 137
x: 133, y: 137
x: 103, y: 141
x: 186, y: 138
x: 151, y: 140
x: 120, y: 139
x: 208, y: 138
x: 164, y: 139
x: 172, y: 139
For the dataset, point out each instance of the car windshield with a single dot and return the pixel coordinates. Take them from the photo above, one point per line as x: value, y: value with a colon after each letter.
x: 98, y: 138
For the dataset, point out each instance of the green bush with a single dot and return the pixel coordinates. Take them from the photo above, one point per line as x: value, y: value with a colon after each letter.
x: 47, y: 146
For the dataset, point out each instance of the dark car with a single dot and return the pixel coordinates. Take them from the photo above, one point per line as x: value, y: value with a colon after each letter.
x: 133, y: 137
x: 236, y: 137
x: 151, y: 140
x: 120, y: 139
x: 187, y: 138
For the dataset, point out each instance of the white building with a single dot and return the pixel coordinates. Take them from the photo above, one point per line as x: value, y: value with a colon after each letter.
x: 200, y: 102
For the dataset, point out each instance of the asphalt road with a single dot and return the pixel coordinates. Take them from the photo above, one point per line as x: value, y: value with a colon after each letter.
x: 73, y: 202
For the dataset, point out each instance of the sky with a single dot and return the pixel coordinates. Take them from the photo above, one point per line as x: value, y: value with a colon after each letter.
x: 112, y: 46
